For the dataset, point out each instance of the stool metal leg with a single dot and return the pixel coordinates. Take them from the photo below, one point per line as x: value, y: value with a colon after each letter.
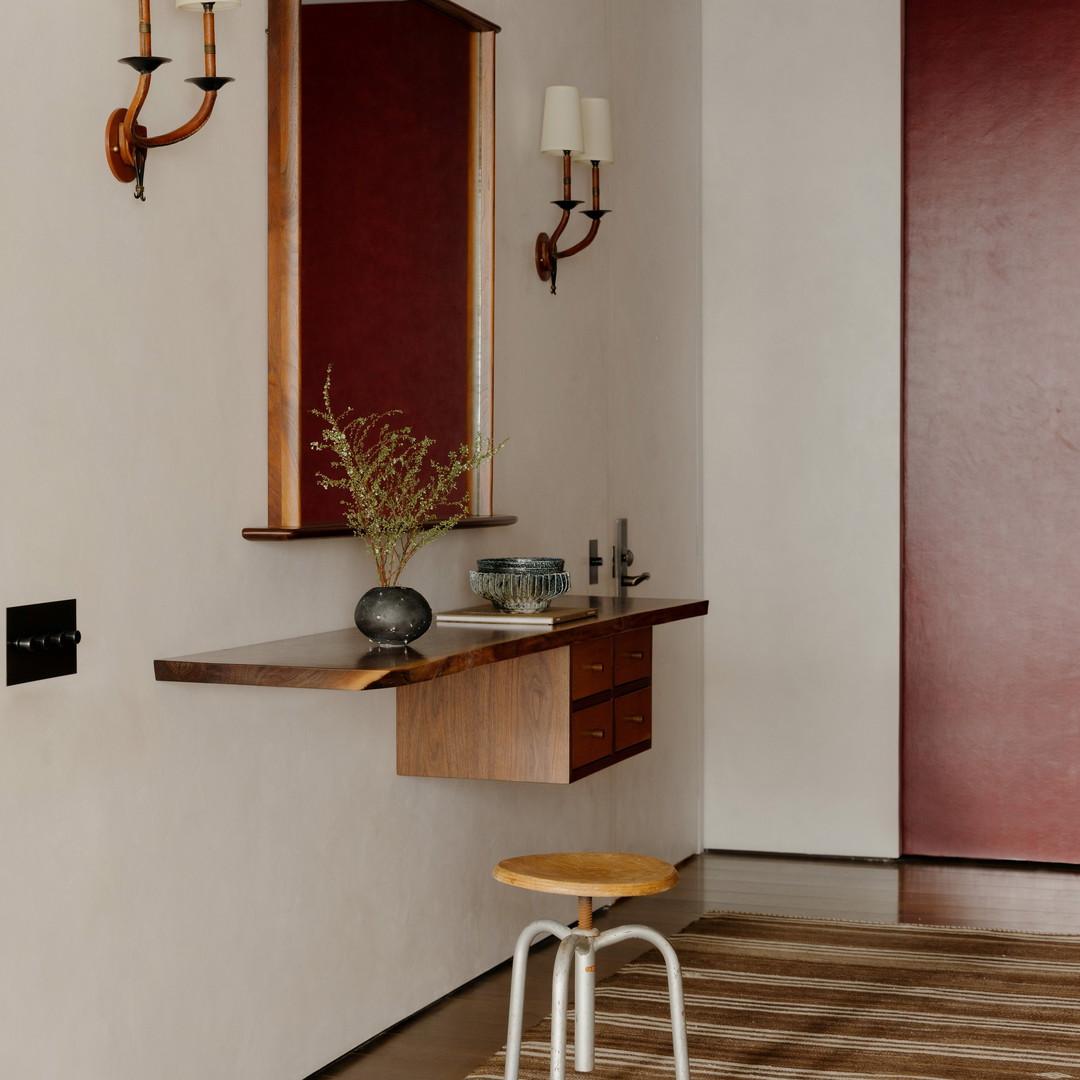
x: 585, y: 1000
x: 560, y: 996
x: 580, y: 947
x: 517, y: 987
x: 674, y: 981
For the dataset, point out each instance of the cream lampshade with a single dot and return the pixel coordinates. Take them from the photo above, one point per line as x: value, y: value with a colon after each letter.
x: 196, y: 5
x: 562, y: 121
x: 596, y: 128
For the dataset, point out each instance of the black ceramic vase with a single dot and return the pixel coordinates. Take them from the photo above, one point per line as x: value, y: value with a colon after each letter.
x: 392, y: 617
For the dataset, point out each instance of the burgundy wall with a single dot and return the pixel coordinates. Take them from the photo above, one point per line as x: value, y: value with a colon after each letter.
x: 991, y: 756
x: 384, y: 201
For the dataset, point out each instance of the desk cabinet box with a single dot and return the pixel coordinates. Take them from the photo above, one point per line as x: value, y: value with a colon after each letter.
x: 550, y: 717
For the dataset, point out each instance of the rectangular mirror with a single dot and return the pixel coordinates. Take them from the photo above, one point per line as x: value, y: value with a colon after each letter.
x: 381, y: 233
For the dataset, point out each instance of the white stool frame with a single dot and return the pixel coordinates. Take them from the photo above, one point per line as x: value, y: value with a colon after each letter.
x: 583, y: 946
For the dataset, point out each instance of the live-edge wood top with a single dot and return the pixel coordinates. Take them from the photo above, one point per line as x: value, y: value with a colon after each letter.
x: 346, y: 660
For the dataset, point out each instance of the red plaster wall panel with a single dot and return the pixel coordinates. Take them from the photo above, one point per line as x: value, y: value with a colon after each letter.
x: 991, y: 756
x: 384, y: 205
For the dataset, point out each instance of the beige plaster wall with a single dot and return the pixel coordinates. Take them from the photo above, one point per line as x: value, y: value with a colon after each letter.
x: 801, y: 393
x: 654, y: 372
x: 232, y: 882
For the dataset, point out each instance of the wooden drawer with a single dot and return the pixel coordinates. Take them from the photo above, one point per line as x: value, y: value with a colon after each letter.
x: 554, y: 717
x: 590, y: 735
x: 633, y: 718
x: 632, y: 655
x: 590, y: 668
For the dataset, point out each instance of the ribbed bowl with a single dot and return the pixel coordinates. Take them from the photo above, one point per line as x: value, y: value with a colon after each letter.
x: 534, y: 564
x: 519, y: 593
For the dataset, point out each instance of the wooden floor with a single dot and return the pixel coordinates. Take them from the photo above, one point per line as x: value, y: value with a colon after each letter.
x: 458, y: 1033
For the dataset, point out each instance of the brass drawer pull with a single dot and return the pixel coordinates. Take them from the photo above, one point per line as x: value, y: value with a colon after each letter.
x: 634, y: 719
x: 637, y: 654
x: 598, y: 734
x: 594, y: 667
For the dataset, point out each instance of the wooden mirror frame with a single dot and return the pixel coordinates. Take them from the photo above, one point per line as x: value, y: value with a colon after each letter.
x: 284, y: 511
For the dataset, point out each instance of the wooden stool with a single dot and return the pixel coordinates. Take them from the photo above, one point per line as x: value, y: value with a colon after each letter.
x: 585, y: 875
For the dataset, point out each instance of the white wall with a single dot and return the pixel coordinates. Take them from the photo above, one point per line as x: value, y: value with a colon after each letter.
x: 654, y: 365
x: 231, y: 882
x: 801, y: 285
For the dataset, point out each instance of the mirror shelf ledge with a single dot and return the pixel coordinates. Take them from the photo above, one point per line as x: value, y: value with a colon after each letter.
x: 331, y: 529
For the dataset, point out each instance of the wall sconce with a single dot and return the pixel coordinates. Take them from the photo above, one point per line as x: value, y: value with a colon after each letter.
x: 580, y: 130
x: 126, y: 141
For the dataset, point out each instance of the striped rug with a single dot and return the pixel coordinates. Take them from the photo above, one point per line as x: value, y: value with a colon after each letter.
x: 772, y: 998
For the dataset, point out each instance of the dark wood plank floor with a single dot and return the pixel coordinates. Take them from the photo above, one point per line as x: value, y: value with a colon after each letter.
x: 456, y: 1034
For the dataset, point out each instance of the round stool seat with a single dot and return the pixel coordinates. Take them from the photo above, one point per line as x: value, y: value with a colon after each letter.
x: 588, y: 873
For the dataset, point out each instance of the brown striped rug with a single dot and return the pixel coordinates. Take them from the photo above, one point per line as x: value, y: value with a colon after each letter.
x: 771, y: 998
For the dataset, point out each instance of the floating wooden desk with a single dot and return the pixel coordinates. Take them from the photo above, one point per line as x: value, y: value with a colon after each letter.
x: 483, y: 702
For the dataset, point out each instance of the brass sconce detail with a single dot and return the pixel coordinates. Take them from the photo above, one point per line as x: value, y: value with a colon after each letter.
x: 580, y: 130
x: 126, y: 141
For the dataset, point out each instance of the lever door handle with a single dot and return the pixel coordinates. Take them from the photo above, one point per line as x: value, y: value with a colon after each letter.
x: 629, y: 580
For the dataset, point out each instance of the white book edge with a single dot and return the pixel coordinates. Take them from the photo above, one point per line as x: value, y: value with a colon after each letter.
x: 501, y: 618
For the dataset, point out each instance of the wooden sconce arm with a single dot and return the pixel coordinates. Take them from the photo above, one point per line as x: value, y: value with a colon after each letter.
x: 126, y: 140
x: 594, y: 228
x: 177, y: 134
x: 184, y: 131
x: 547, y: 253
x: 563, y: 221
